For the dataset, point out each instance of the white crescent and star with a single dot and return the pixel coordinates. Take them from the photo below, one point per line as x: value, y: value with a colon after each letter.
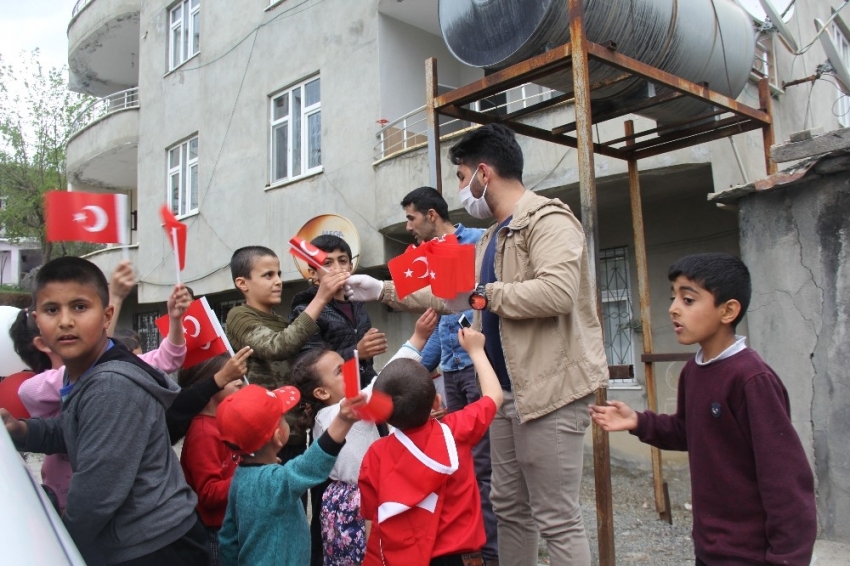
x: 101, y: 219
x: 424, y: 260
x: 197, y: 324
x: 205, y: 346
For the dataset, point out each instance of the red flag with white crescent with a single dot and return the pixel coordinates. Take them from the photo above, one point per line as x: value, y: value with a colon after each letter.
x: 410, y: 271
x: 306, y: 251
x: 99, y: 218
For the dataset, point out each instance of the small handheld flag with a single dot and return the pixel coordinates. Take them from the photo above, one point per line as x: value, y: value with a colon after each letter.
x: 306, y: 251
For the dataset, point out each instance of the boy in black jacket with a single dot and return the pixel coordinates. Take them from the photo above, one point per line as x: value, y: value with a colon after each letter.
x: 128, y: 503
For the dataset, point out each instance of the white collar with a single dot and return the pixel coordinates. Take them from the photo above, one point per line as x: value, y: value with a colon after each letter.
x: 740, y: 344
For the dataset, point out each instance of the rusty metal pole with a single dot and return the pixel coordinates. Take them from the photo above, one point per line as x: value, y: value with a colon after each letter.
x: 589, y: 221
x: 431, y: 91
x: 768, y: 136
x: 662, y: 505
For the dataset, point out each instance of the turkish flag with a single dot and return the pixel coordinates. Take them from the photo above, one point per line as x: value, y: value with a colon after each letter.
x: 198, y: 329
x: 306, y: 251
x: 176, y: 232
x: 410, y: 271
x: 377, y: 409
x: 351, y: 376
x: 452, y: 268
x: 205, y: 352
x: 99, y: 218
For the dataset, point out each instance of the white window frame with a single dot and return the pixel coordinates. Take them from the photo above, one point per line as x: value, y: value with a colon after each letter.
x: 181, y: 24
x: 185, y: 171
x: 305, y: 114
x: 842, y: 105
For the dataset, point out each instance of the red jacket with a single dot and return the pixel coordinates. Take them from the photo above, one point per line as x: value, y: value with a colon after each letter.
x: 419, y: 490
x: 208, y: 466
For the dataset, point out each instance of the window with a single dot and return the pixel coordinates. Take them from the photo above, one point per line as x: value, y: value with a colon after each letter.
x: 184, y: 41
x: 617, y: 322
x: 842, y: 105
x: 145, y: 325
x: 224, y: 307
x: 183, y: 177
x: 296, y: 131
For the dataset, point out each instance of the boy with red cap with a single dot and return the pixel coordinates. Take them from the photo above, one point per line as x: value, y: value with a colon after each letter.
x: 265, y: 522
x: 418, y: 491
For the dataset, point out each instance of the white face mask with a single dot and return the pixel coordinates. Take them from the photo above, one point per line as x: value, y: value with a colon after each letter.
x: 476, y: 207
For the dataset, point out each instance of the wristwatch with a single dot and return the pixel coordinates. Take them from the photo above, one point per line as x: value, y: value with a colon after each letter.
x: 478, y: 299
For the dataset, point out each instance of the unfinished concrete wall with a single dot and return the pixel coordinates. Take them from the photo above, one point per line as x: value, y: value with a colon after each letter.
x: 796, y: 242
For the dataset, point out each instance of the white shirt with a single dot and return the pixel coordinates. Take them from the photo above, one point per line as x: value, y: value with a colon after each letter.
x: 740, y: 344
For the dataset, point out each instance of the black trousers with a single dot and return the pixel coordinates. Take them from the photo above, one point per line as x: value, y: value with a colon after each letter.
x: 192, y: 549
x: 463, y: 559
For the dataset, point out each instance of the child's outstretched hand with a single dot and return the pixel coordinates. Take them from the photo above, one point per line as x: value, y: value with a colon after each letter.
x: 616, y: 416
x: 235, y: 368
x: 122, y: 281
x: 426, y: 324
x: 348, y: 408
x: 470, y: 340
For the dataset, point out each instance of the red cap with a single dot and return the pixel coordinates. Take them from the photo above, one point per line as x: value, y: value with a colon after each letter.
x: 248, y: 418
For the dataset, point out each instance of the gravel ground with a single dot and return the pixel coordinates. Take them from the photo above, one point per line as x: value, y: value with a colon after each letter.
x: 640, y: 537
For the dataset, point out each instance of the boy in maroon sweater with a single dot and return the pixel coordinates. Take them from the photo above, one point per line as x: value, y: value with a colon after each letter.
x: 752, y: 486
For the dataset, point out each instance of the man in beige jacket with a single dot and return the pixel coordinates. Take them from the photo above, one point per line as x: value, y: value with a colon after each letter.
x: 536, y: 307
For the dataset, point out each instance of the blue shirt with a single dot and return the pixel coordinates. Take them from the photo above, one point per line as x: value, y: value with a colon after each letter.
x: 489, y: 320
x: 443, y: 347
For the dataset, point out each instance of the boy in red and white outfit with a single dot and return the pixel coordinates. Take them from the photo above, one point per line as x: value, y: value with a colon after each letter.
x: 419, y: 494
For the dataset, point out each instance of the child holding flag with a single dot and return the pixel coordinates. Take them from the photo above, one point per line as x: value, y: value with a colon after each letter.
x: 318, y: 375
x: 274, y: 340
x: 207, y: 463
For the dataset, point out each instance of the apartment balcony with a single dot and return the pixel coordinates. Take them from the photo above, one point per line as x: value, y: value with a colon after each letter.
x: 103, y: 46
x: 102, y: 151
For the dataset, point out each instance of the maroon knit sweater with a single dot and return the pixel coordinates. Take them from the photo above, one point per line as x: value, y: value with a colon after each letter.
x: 752, y: 486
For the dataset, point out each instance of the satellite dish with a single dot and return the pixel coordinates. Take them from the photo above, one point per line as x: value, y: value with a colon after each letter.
x: 330, y: 224
x: 838, y: 65
x: 776, y: 20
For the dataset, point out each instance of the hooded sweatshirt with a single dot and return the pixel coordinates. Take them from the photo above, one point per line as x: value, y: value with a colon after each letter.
x: 128, y: 497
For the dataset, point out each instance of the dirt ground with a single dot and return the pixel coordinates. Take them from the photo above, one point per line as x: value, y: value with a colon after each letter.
x: 640, y: 537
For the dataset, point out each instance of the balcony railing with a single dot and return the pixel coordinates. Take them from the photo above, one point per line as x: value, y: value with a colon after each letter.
x: 410, y: 131
x: 78, y: 7
x: 102, y: 107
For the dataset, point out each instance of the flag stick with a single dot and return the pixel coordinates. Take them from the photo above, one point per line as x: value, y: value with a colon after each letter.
x: 176, y: 257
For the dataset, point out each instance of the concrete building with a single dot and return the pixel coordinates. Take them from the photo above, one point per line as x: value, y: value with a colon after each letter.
x: 252, y: 117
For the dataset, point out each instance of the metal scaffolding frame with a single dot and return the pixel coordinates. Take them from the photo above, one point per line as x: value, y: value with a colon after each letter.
x: 728, y: 118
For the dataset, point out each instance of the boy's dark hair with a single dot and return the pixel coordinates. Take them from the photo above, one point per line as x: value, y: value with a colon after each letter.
x: 307, y: 379
x: 242, y: 260
x: 23, y: 331
x: 723, y: 275
x: 128, y: 338
x: 329, y: 243
x: 412, y: 391
x: 493, y: 144
x: 187, y: 377
x: 424, y: 199
x: 72, y: 269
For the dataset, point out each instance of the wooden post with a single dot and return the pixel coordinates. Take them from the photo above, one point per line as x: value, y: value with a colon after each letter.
x: 431, y: 92
x: 589, y: 221
x: 645, y: 316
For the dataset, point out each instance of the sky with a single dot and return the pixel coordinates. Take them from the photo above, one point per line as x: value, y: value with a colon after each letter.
x: 25, y: 25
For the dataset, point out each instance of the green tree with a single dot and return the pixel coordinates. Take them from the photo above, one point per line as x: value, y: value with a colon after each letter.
x: 36, y: 114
